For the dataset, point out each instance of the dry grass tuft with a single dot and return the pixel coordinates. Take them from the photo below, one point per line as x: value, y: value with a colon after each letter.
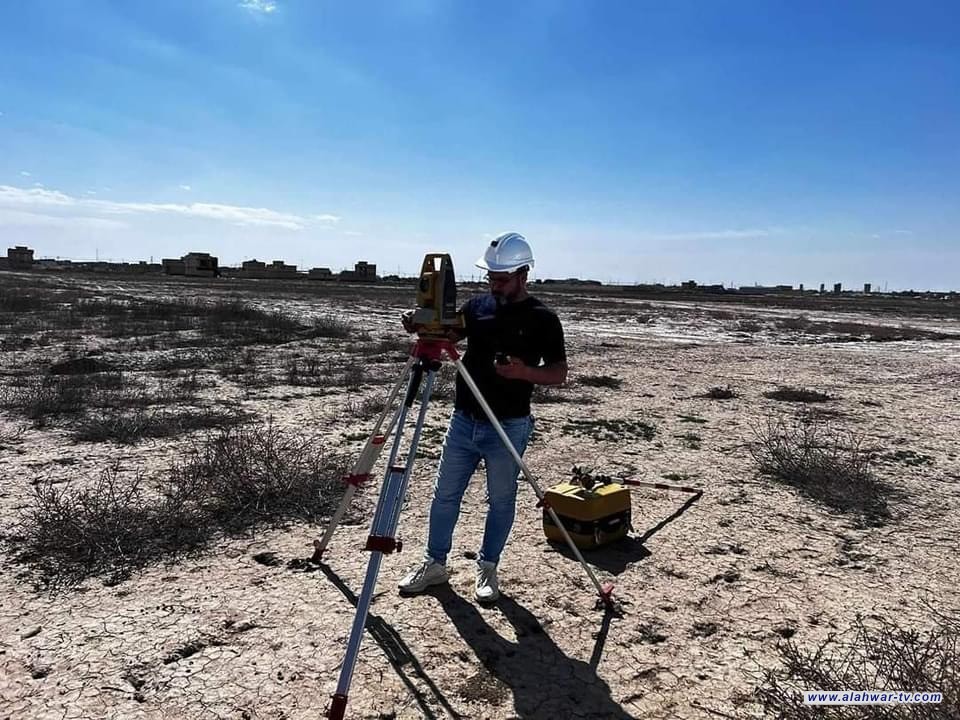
x: 875, y: 654
x: 792, y: 394
x: 231, y: 481
x: 829, y: 466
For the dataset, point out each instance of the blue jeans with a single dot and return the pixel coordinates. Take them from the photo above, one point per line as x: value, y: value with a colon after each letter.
x: 468, y: 441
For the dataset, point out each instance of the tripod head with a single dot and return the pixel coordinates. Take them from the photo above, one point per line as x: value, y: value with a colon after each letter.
x: 436, y: 311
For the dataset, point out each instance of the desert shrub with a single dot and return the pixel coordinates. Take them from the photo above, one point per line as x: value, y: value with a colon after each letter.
x: 601, y: 381
x: 392, y: 345
x: 720, y: 393
x: 306, y: 371
x: 43, y: 396
x: 691, y: 440
x: 354, y: 377
x: 801, y: 322
x: 331, y: 327
x: 20, y: 300
x: 843, y: 330
x: 231, y: 320
x: 611, y: 430
x: 365, y: 407
x: 11, y: 437
x: 792, y: 394
x: 259, y: 473
x: 230, y: 481
x: 80, y: 366
x: 875, y: 654
x: 128, y: 427
x: 191, y: 358
x: 113, y: 525
x: 829, y: 466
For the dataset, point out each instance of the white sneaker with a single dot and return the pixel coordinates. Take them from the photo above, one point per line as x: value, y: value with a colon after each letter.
x: 423, y: 576
x: 487, y: 588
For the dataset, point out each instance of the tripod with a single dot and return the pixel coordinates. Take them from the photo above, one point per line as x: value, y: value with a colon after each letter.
x: 425, y: 360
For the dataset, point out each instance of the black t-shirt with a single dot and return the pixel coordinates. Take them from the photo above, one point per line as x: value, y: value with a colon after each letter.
x: 527, y: 330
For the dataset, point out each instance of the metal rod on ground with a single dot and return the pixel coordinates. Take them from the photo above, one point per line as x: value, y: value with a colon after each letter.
x: 605, y: 590
x: 365, y: 462
x: 659, y: 486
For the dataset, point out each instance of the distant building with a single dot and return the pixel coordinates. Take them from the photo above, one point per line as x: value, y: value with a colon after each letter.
x: 837, y: 288
x: 200, y: 264
x: 365, y: 270
x: 194, y: 264
x: 19, y: 258
x: 250, y: 268
x: 276, y: 269
x: 172, y: 266
x: 320, y: 273
x: 866, y: 288
x: 362, y: 272
x: 763, y: 289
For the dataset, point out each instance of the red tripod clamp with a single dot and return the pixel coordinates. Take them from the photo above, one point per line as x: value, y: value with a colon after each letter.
x: 383, y: 544
x: 429, y: 348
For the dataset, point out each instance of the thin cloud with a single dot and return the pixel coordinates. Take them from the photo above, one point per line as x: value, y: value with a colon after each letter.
x: 264, y: 7
x: 235, y: 214
x: 185, y: 187
x: 53, y: 201
x: 717, y: 235
x: 21, y: 196
x: 29, y: 219
x: 25, y: 173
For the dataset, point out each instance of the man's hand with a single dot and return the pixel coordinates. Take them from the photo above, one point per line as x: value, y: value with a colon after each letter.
x: 513, y: 369
x: 406, y: 319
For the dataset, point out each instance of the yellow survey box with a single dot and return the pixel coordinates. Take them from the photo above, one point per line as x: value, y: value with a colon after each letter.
x: 592, y: 517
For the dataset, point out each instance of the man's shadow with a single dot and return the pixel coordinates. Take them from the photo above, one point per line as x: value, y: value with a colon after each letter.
x: 544, y: 681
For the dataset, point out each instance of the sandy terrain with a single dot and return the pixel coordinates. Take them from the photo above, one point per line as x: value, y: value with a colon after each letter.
x: 707, y: 586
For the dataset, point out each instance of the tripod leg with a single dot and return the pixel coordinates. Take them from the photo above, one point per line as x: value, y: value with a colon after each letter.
x: 365, y: 462
x: 604, y: 591
x: 383, y: 529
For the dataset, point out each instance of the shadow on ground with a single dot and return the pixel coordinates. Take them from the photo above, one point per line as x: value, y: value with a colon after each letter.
x: 433, y: 703
x: 544, y: 682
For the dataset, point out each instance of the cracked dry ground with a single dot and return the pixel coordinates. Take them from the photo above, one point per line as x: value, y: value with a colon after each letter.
x: 708, y: 586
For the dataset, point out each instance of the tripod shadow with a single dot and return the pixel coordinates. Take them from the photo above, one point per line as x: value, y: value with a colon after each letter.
x: 398, y: 654
x: 544, y: 681
x: 617, y: 556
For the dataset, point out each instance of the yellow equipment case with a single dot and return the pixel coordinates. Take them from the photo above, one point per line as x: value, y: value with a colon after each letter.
x: 592, y: 517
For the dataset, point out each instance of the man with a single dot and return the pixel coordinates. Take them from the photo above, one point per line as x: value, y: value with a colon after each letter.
x: 513, y: 343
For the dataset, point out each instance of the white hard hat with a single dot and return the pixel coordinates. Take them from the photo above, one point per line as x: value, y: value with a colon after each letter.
x: 507, y: 252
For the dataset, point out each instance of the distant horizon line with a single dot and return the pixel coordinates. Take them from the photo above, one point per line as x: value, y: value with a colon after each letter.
x: 461, y: 277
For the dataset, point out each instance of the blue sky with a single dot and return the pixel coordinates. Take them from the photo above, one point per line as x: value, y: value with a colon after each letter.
x: 746, y: 142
